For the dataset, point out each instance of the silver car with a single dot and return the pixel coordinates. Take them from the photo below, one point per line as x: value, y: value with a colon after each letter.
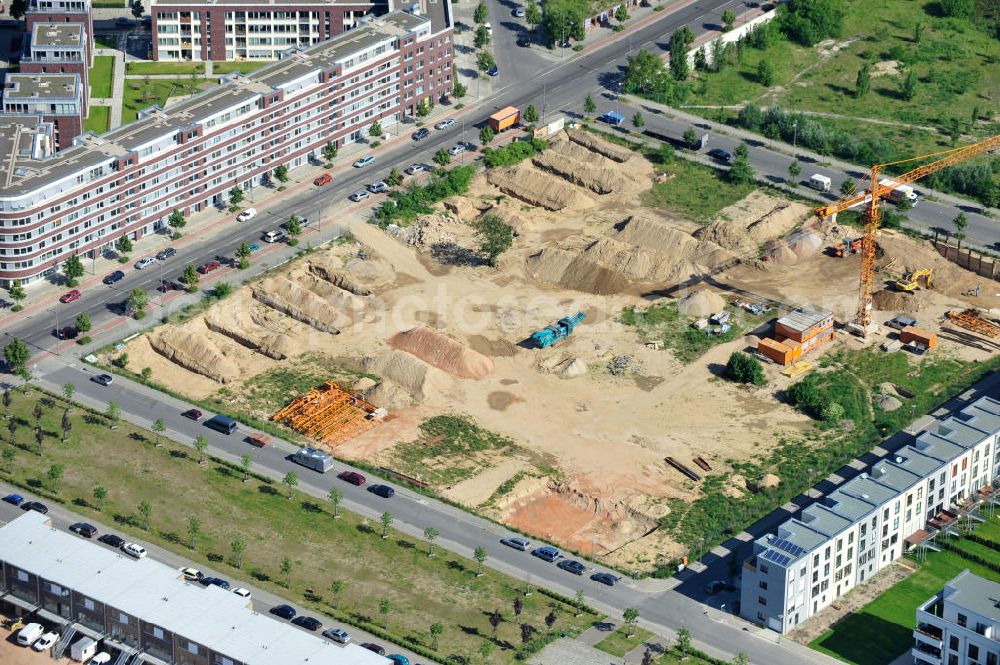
x: 378, y: 187
x: 414, y: 169
x: 456, y: 149
x: 359, y: 195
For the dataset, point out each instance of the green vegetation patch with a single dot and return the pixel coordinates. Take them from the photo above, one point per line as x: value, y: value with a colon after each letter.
x: 98, y: 119
x: 245, y: 66
x: 406, y: 205
x: 101, y: 76
x: 664, y: 322
x: 106, y: 41
x: 172, y: 68
x: 618, y: 643
x: 141, y: 94
x: 697, y: 192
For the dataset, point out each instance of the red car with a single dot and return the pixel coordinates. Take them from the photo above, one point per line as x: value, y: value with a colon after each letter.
x: 324, y: 179
x: 193, y: 414
x: 353, y: 477
x: 70, y: 296
x: 209, y: 267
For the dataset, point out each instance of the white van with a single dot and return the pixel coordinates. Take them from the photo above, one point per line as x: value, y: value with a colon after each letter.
x: 819, y: 182
x: 274, y: 236
x: 134, y: 550
x: 27, y: 635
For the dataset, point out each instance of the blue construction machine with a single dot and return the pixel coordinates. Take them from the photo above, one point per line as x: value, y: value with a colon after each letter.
x: 561, y: 329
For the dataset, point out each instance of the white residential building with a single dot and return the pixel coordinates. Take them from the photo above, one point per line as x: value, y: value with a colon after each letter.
x: 960, y: 625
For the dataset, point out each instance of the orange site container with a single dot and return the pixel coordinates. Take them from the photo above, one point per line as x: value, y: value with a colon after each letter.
x: 776, y: 351
x: 911, y: 334
x: 802, y: 325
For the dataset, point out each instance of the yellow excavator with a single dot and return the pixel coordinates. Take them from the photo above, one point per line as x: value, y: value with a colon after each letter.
x: 911, y: 282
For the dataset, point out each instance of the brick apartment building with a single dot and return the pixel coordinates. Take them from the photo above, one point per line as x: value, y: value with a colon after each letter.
x: 249, y: 29
x: 58, y: 98
x: 63, y: 11
x: 186, y: 157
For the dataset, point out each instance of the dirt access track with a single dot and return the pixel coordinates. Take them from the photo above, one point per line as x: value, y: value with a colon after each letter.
x: 414, y: 320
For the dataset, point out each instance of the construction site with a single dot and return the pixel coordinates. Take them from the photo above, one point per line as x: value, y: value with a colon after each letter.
x: 604, y: 422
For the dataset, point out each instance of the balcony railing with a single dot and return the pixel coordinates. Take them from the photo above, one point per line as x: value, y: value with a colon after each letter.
x: 934, y: 632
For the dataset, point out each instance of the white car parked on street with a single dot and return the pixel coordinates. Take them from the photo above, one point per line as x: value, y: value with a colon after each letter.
x: 138, y: 551
x: 249, y: 213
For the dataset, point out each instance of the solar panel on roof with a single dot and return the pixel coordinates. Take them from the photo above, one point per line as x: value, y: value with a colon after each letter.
x: 786, y: 546
x: 775, y: 557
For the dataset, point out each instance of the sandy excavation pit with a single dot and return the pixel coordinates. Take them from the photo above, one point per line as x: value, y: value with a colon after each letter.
x: 447, y: 337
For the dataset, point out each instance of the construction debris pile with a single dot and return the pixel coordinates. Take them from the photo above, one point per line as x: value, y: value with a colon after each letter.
x: 330, y: 415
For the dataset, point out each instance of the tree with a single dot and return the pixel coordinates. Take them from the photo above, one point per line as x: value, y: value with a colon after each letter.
x: 201, y: 445
x: 68, y: 391
x: 810, y: 21
x: 54, y: 475
x: 961, y: 223
x: 481, y: 38
x: 436, y: 630
x: 679, y: 42
x: 848, y: 187
x: 485, y: 649
x: 530, y: 114
x: 690, y: 138
x: 647, y: 657
x: 9, y: 455
x: 701, y: 60
x: 918, y: 31
x: 863, y: 83
x: 424, y: 107
x: 329, y: 153
x: 145, y: 512
x: 137, y: 300
x: 684, y: 640
x: 113, y: 412
x: 621, y: 14
x: 100, y: 494
x: 740, y: 173
x: 495, y: 620
x: 482, y: 13
x: 480, y: 556
x: 335, y: 497
x: 176, y: 220
x: 832, y: 412
x: 193, y: 529
x: 243, y: 254
x: 281, y: 173
x: 794, y: 171
x: 246, y: 464
x: 235, y: 196
x: 190, y: 276
x: 645, y: 74
x: 430, y: 533
x: 286, y: 571
x: 728, y: 19
x: 526, y: 631
x: 395, y: 178
x: 123, y: 245
x: 638, y: 121
x: 384, y: 607
x: 765, y: 73
x: 7, y: 401
x: 238, y: 547
x: 12, y: 430
x: 518, y: 606
x: 459, y: 90
x: 159, y: 427
x: 588, y: 105
x: 375, y: 131
x: 137, y: 8
x: 486, y: 135
x: 222, y: 289
x: 16, y: 291
x: 17, y: 9
x: 630, y: 616
x: 666, y: 153
x: 494, y: 236
x: 563, y: 20
x: 26, y: 376
x: 83, y: 322
x: 580, y: 602
x: 532, y: 14
x: 908, y: 85
x: 953, y: 8
x: 442, y: 157
x: 290, y: 481
x: 293, y: 226
x: 336, y: 588
x: 386, y: 520
x: 73, y: 269
x: 16, y: 353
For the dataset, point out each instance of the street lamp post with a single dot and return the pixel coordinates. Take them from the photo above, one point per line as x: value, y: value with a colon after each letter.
x: 795, y: 135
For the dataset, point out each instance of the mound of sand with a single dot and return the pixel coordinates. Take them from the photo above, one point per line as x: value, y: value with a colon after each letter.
x: 780, y: 254
x: 674, y: 244
x: 195, y: 353
x: 537, y: 188
x: 576, y: 272
x: 257, y: 328
x: 764, y: 217
x: 299, y: 303
x: 443, y: 352
x: 412, y: 374
x: 769, y: 480
x: 804, y: 243
x: 389, y: 396
x: 599, y: 145
x: 494, y: 348
x: 701, y: 303
x: 888, y: 300
x: 598, y: 179
x: 337, y: 277
x: 888, y: 402
x: 571, y: 367
x: 728, y: 236
x: 888, y: 389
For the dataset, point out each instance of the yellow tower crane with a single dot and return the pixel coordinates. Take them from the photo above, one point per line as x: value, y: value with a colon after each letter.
x: 873, y: 196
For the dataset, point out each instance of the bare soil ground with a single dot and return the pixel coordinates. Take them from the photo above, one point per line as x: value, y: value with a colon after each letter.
x: 443, y: 333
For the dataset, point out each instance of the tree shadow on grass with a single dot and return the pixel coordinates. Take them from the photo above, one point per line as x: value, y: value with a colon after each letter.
x: 267, y: 489
x: 311, y: 507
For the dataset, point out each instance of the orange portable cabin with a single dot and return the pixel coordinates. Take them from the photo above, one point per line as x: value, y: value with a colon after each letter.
x: 922, y: 337
x: 776, y: 351
x: 802, y: 324
x: 505, y: 118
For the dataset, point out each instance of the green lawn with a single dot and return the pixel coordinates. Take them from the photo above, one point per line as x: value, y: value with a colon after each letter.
x: 667, y: 324
x: 245, y: 66
x: 423, y: 590
x: 108, y: 4
x: 177, y: 68
x: 97, y: 119
x: 106, y: 41
x: 619, y: 643
x: 137, y: 98
x: 102, y: 76
x: 695, y: 191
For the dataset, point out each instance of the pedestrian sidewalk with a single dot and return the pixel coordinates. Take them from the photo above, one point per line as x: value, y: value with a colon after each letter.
x: 466, y: 65
x: 117, y: 86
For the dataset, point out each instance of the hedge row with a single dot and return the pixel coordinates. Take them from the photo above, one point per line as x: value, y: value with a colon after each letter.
x: 992, y: 563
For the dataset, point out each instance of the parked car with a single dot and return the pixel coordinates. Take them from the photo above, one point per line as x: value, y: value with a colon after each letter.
x: 165, y: 254
x: 359, y: 195
x: 69, y: 332
x: 46, y: 641
x: 37, y: 506
x: 209, y: 267
x: 309, y: 623
x: 103, y: 379
x: 572, y: 566
x: 193, y: 414
x: 283, y: 611
x: 494, y: 70
x: 414, y: 169
x: 546, y: 553
x: 112, y: 540
x: 134, y: 550
x: 14, y: 499
x: 253, y: 247
x: 371, y: 646
x: 715, y: 586
x: 215, y: 581
x: 116, y: 276
x: 102, y: 658
x: 378, y: 187
x: 516, y: 543
x: 523, y: 42
x: 84, y: 529
x: 421, y: 134
x: 444, y: 124
x: 720, y: 155
x: 489, y: 28
x: 901, y: 321
x: 144, y: 261
x: 398, y: 659
x: 324, y: 179
x: 518, y: 11
x: 123, y: 21
x: 276, y: 235
x: 170, y: 285
x: 246, y: 215
x: 456, y: 149
x: 69, y: 296
x: 29, y: 634
x: 242, y: 592
x: 383, y: 491
x: 353, y: 477
x: 605, y: 578
x: 192, y: 574
x: 367, y: 160
x: 337, y: 635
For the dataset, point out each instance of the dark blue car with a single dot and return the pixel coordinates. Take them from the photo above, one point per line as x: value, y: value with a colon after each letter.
x: 14, y: 499
x: 571, y: 566
x: 114, y: 277
x: 215, y: 581
x: 284, y: 611
x: 546, y: 553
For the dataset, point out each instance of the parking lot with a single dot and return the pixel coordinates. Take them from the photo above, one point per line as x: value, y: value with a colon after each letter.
x: 13, y: 654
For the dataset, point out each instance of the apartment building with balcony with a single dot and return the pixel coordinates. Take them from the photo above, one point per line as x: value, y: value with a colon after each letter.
x: 145, y: 609
x: 63, y: 11
x: 187, y: 157
x: 960, y: 625
x: 58, y: 98
x: 58, y: 48
x: 851, y: 534
x: 250, y: 30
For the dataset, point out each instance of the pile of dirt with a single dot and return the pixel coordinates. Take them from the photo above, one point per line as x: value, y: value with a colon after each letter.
x: 888, y: 300
x: 338, y: 278
x: 410, y: 373
x: 780, y: 253
x: 640, y: 265
x: 301, y: 304
x: 728, y: 236
x: 465, y: 207
x: 537, y: 188
x: 443, y: 352
x: 701, y: 303
x: 599, y: 145
x: 805, y: 243
x: 494, y: 348
x: 576, y: 272
x: 195, y: 353
x: 769, y: 480
x: 389, y: 396
x: 259, y: 327
x: 674, y: 244
x: 598, y: 179
x: 888, y: 402
x: 763, y: 216
x: 571, y: 367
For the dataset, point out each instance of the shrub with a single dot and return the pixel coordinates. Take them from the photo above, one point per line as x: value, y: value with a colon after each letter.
x: 83, y: 341
x: 417, y: 199
x: 513, y: 153
x: 744, y: 368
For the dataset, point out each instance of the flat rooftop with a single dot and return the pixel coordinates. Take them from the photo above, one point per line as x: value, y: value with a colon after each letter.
x: 974, y: 593
x: 57, y: 34
x: 301, y: 5
x: 803, y: 319
x: 144, y: 588
x: 41, y: 86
